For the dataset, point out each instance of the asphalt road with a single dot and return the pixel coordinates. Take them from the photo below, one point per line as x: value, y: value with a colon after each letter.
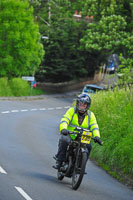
x: 29, y: 132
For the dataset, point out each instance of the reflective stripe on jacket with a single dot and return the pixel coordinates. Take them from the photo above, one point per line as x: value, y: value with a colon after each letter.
x: 70, y: 121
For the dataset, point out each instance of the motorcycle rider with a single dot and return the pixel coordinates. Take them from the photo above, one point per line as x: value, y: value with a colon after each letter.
x: 76, y: 116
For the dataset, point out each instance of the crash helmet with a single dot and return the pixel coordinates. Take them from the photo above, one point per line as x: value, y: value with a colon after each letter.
x: 83, y: 99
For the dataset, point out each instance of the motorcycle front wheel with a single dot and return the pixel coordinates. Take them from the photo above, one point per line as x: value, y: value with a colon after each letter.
x: 79, y: 170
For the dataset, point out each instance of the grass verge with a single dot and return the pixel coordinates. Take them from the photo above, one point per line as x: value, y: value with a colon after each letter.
x: 114, y: 113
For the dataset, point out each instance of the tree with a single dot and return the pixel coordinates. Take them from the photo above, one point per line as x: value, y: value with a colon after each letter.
x: 21, y: 51
x: 63, y: 60
x: 111, y: 30
x: 76, y: 50
x: 125, y: 72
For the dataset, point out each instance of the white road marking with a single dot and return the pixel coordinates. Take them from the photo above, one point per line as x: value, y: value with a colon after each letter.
x: 51, y: 108
x: 2, y: 170
x: 4, y: 112
x: 23, y: 193
x: 58, y: 108
x: 33, y: 109
x: 67, y: 107
x: 14, y: 111
x: 24, y: 110
x: 42, y: 109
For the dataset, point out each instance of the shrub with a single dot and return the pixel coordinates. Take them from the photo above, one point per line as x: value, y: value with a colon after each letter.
x: 4, y: 87
x: 19, y: 87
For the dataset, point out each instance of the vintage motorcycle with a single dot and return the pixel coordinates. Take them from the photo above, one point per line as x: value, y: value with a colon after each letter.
x: 76, y: 157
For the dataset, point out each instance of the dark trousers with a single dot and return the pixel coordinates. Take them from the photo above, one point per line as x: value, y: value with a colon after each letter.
x: 62, y: 147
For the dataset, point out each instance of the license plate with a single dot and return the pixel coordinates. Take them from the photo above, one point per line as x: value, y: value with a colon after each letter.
x: 86, y: 137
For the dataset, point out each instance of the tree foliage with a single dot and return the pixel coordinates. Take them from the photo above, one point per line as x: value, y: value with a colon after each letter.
x: 21, y: 51
x: 77, y: 48
x: 125, y: 72
x: 63, y: 61
x: 74, y: 48
x: 111, y: 30
x: 108, y: 36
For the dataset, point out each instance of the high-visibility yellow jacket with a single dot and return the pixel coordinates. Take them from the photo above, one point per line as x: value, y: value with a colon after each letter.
x: 70, y: 121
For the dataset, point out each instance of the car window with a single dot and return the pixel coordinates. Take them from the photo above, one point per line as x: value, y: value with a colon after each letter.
x: 87, y: 89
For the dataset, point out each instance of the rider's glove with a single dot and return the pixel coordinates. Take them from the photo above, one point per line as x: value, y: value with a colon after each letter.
x: 65, y: 132
x: 97, y: 139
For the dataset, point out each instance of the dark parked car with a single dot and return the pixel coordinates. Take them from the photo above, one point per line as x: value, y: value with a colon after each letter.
x: 91, y: 88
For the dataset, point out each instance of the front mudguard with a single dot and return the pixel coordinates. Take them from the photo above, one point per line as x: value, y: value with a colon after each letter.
x: 84, y: 150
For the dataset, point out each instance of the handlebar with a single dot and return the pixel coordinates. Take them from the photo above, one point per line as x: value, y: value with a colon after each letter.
x: 81, y: 129
x: 99, y: 141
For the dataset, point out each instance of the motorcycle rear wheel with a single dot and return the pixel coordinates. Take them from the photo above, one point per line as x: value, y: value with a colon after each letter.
x: 79, y: 173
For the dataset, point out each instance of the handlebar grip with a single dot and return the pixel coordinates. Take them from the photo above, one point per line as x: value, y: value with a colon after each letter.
x: 99, y: 141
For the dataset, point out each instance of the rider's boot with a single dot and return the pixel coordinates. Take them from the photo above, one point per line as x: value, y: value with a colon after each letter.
x: 58, y: 164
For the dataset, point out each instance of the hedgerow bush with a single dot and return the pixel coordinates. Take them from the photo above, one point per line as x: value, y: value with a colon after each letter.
x: 114, y: 113
x: 17, y: 87
x: 5, y: 89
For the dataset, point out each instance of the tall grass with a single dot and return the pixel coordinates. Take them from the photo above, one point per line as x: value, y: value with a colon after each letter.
x: 17, y: 87
x: 114, y: 113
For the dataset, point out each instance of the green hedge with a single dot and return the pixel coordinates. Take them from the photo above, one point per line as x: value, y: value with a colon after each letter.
x: 114, y: 113
x: 17, y: 87
x: 5, y: 89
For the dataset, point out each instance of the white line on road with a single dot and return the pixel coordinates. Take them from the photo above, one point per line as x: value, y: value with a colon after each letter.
x: 42, y: 109
x: 67, y: 107
x: 51, y: 108
x: 14, y: 111
x: 58, y: 108
x: 33, y: 109
x: 2, y: 170
x: 4, y: 112
x: 24, y: 110
x: 22, y: 192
